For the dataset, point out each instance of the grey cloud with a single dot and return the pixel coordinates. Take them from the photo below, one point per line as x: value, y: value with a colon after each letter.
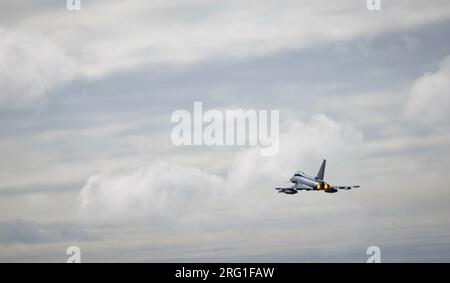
x: 27, y: 232
x: 44, y: 189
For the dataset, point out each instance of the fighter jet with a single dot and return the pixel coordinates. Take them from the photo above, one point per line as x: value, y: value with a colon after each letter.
x: 304, y: 182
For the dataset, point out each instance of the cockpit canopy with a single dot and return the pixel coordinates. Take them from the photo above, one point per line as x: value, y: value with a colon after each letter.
x: 299, y: 173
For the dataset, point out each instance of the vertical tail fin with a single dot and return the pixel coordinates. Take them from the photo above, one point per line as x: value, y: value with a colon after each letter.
x: 321, y: 172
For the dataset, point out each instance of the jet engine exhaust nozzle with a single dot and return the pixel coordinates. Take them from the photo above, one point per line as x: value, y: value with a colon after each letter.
x: 323, y: 186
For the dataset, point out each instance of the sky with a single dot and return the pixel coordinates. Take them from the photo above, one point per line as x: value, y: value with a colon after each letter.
x: 86, y: 99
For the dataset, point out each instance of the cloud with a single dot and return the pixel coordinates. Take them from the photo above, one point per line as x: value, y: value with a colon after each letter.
x: 429, y: 99
x: 27, y: 232
x: 161, y: 189
x: 30, y: 67
x: 301, y: 143
x: 179, y: 192
x: 107, y: 37
x: 136, y: 33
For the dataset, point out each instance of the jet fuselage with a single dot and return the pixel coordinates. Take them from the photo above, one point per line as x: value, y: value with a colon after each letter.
x: 301, y: 178
x: 305, y: 182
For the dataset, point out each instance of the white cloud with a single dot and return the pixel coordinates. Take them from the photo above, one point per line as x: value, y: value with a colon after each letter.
x: 429, y: 100
x: 161, y: 189
x: 170, y: 190
x: 30, y: 66
x: 301, y: 144
x: 112, y: 36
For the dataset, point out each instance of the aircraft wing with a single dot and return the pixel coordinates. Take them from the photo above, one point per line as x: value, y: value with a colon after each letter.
x: 302, y: 187
x: 344, y: 187
x: 296, y: 187
x: 287, y: 188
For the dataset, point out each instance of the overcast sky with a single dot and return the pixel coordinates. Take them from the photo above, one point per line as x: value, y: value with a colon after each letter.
x: 86, y: 158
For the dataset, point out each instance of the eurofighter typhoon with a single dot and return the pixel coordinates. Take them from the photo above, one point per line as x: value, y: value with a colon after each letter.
x: 304, y: 182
